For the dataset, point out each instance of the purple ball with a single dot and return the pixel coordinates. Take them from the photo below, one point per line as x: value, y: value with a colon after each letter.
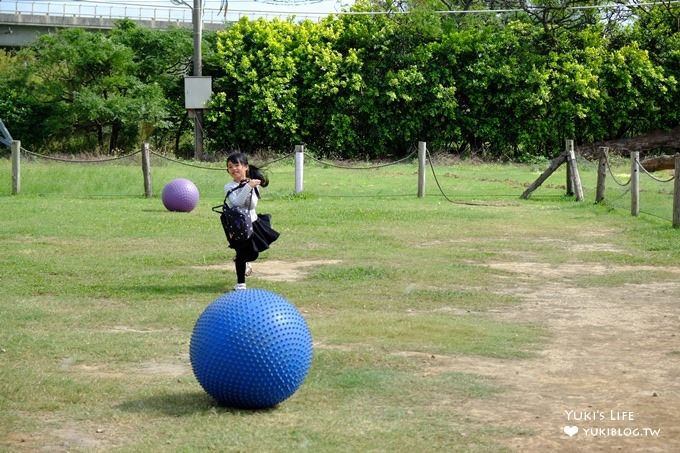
x: 180, y: 195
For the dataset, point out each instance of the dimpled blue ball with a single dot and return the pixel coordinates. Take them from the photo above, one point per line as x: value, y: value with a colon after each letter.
x: 250, y: 349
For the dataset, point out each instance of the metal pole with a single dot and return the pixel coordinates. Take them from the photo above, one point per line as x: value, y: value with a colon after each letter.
x: 422, y: 151
x: 299, y: 167
x: 198, y: 71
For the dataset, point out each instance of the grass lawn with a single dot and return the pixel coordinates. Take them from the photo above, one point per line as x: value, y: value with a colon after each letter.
x: 100, y: 289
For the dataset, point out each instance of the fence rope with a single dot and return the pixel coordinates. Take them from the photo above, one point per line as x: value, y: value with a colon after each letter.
x: 612, y: 201
x: 623, y: 194
x: 177, y: 161
x: 187, y: 164
x: 436, y: 180
x: 371, y: 167
x: 637, y: 162
x: 611, y: 173
x: 78, y: 161
x: 411, y: 155
x: 284, y: 157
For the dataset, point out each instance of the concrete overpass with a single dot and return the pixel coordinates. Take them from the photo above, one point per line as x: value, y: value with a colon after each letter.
x: 21, y: 22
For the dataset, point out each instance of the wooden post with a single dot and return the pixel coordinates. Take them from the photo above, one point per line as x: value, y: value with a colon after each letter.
x: 422, y: 153
x: 676, y: 193
x: 554, y: 165
x: 601, y: 173
x: 575, y: 177
x: 569, y: 149
x: 299, y: 167
x: 16, y: 166
x: 634, y: 184
x: 146, y: 170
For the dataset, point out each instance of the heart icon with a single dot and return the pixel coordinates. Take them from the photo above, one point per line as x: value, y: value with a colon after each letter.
x: 570, y: 430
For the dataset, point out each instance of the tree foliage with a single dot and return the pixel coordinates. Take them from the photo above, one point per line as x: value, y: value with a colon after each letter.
x: 94, y: 92
x: 512, y: 85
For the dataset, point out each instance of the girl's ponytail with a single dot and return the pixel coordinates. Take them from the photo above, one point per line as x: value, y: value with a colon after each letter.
x: 257, y: 173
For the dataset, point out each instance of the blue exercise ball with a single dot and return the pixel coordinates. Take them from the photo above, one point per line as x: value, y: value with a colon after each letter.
x: 180, y: 195
x: 250, y: 349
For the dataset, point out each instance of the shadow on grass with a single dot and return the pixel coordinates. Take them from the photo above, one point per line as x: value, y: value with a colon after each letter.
x: 180, y: 289
x: 182, y: 404
x: 144, y: 291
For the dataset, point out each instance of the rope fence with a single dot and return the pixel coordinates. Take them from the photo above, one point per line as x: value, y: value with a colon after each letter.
x: 79, y: 161
x: 425, y: 161
x: 145, y: 153
x: 633, y: 185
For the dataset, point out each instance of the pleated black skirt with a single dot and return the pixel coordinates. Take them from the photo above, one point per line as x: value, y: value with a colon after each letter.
x: 263, y: 233
x: 262, y: 238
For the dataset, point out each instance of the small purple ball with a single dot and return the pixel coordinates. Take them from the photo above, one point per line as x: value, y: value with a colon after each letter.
x: 180, y: 195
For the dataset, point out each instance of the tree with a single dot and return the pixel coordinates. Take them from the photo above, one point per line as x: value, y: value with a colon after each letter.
x: 87, y: 83
x: 401, y: 88
x: 329, y: 82
x: 162, y: 58
x: 254, y: 100
x: 658, y: 32
x: 10, y: 101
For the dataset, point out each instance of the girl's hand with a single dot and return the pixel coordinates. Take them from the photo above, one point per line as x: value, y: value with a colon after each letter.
x: 254, y: 182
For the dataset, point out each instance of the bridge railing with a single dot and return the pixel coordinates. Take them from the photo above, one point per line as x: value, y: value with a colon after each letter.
x: 101, y: 11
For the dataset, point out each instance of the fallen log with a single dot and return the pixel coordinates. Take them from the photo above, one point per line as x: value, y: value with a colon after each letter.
x: 658, y: 163
x: 654, y: 140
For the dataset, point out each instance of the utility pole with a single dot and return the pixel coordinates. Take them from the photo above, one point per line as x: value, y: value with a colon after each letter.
x: 198, y: 71
x: 196, y: 14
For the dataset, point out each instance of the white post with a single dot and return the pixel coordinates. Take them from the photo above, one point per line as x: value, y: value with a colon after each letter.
x: 299, y: 167
x: 634, y: 184
x: 422, y: 152
x: 16, y: 166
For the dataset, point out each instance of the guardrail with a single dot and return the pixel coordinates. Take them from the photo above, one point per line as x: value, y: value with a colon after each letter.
x: 140, y: 13
x: 111, y: 12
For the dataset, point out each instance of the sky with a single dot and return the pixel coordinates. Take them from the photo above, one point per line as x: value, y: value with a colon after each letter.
x: 164, y: 9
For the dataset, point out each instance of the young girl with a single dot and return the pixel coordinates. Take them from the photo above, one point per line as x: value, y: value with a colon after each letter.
x: 243, y: 191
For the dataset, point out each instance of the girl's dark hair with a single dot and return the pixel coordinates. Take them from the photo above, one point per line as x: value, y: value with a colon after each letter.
x: 253, y: 171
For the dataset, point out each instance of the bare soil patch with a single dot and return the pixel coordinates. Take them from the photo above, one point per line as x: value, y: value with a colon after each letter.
x: 276, y: 271
x: 607, y: 379
x: 609, y: 374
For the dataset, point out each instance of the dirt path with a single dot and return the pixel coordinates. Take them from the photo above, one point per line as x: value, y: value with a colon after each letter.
x: 276, y: 271
x: 609, y: 377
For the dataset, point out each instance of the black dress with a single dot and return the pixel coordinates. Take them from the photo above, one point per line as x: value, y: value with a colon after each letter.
x: 263, y: 233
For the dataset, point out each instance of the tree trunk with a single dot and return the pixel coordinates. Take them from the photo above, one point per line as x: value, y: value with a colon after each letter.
x: 659, y: 139
x: 100, y: 137
x: 658, y: 163
x: 113, y: 140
